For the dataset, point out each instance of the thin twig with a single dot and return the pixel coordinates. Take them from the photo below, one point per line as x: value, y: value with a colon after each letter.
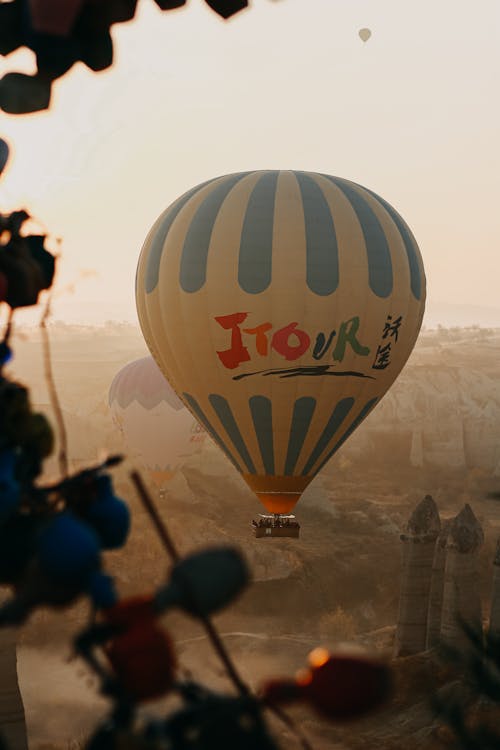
x: 169, y: 545
x: 54, y: 398
x: 8, y: 327
x: 291, y: 725
x: 158, y: 522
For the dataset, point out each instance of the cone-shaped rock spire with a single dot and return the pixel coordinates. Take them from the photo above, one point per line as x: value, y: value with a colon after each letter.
x: 461, y: 602
x: 437, y: 586
x: 418, y: 543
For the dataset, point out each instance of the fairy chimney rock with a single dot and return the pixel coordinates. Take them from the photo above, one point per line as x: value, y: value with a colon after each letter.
x: 424, y: 522
x: 461, y: 601
x: 418, y: 543
x: 496, y: 560
x: 466, y: 534
x: 437, y: 586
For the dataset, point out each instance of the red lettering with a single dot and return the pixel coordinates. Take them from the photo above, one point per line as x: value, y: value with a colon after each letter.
x: 261, y: 342
x: 238, y: 353
x: 281, y: 338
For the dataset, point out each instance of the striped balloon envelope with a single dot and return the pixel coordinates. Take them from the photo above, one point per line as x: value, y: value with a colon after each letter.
x: 281, y: 305
x: 156, y: 426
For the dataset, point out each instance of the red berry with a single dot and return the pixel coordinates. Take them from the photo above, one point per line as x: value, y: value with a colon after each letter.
x: 344, y: 686
x: 143, y: 660
x: 141, y: 655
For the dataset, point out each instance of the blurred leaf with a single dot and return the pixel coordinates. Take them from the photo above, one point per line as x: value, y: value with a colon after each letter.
x: 120, y: 11
x: 227, y: 8
x: 461, y: 705
x: 55, y: 55
x: 40, y: 437
x: 13, y: 222
x: 21, y: 94
x: 218, y: 722
x: 11, y: 30
x: 29, y: 268
x: 97, y: 51
x: 170, y: 4
x: 105, y: 14
x: 54, y: 16
x: 17, y: 546
x: 44, y: 260
x: 205, y: 582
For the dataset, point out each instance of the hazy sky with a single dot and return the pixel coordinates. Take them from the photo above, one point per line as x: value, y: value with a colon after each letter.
x: 413, y: 114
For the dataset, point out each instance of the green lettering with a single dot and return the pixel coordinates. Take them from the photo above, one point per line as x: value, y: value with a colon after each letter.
x: 347, y: 335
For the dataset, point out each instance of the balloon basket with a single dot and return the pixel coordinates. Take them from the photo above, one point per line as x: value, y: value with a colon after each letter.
x: 275, y: 525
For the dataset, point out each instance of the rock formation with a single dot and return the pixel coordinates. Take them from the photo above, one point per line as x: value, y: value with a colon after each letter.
x: 437, y: 587
x: 461, y: 601
x: 454, y: 413
x: 418, y: 543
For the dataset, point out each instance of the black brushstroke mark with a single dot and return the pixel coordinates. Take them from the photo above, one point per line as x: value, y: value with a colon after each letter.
x: 294, y: 372
x: 322, y: 345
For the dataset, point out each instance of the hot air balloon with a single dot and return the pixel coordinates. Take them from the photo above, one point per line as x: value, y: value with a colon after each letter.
x: 281, y: 306
x: 154, y: 422
x: 364, y: 34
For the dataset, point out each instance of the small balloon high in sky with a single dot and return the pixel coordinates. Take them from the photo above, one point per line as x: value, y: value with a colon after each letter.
x: 364, y: 34
x: 281, y: 306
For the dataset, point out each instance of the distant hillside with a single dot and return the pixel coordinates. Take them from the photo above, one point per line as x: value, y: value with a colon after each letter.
x: 445, y: 314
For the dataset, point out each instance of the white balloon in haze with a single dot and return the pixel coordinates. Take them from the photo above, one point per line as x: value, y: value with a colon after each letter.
x: 157, y: 427
x: 364, y: 34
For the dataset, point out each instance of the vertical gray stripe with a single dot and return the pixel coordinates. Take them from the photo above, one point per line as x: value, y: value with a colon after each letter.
x: 223, y: 411
x: 377, y: 248
x: 321, y: 239
x: 303, y: 410
x: 409, y: 243
x: 262, y: 416
x: 156, y: 248
x: 338, y: 415
x: 362, y: 414
x: 256, y: 244
x: 193, y: 270
x: 211, y: 431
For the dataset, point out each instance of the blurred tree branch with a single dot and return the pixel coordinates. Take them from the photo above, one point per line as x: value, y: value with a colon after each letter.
x: 63, y: 32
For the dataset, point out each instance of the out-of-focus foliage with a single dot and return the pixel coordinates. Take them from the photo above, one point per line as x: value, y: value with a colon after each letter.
x: 471, y: 705
x: 26, y: 266
x: 61, y: 34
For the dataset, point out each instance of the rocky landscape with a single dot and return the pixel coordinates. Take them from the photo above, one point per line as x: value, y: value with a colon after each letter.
x: 435, y: 433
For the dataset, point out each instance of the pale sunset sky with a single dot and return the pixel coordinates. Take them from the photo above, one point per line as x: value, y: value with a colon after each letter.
x: 413, y: 114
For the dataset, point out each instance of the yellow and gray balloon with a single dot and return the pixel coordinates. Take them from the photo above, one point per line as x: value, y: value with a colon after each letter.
x: 364, y: 34
x: 281, y: 306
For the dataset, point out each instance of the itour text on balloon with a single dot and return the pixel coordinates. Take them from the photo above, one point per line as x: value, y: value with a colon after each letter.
x: 293, y: 342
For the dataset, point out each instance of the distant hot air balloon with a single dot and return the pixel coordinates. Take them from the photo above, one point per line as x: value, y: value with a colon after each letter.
x: 155, y: 424
x: 364, y: 34
x: 281, y: 306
